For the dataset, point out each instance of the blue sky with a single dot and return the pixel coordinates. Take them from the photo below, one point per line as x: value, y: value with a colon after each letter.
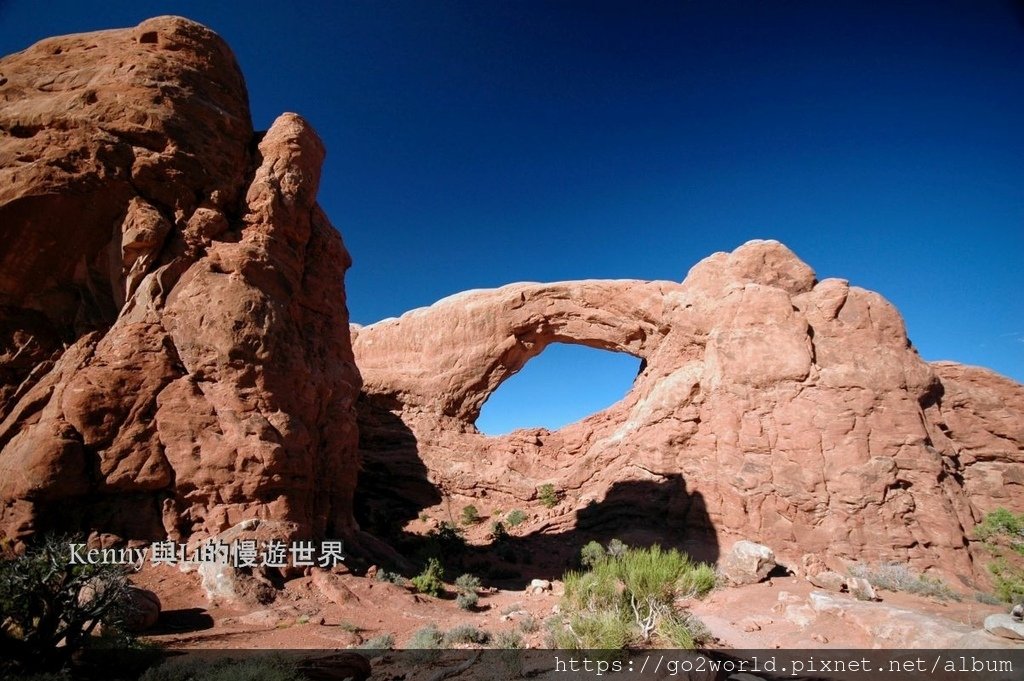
x: 472, y: 144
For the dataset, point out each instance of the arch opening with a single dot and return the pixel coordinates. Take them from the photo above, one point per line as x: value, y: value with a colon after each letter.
x: 563, y: 384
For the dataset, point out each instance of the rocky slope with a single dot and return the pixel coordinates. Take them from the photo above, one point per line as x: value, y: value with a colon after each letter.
x: 769, y: 405
x: 174, y: 348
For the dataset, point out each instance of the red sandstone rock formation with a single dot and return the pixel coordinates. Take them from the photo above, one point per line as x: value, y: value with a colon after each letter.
x: 174, y: 348
x: 175, y: 356
x: 769, y: 406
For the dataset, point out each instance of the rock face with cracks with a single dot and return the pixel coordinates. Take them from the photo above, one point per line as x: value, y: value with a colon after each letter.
x: 174, y: 347
x: 770, y: 406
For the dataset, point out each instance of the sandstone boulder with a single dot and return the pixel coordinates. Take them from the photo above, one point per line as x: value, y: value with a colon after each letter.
x: 747, y: 563
x: 1005, y: 626
x: 143, y: 610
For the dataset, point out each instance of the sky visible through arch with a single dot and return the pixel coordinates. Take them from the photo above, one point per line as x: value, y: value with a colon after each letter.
x: 473, y: 144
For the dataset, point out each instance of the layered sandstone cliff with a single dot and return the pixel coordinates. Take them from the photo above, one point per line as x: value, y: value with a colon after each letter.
x: 174, y: 348
x: 769, y: 405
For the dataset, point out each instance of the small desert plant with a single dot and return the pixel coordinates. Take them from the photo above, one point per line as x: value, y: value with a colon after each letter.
x: 1009, y: 580
x: 591, y: 554
x: 498, y: 531
x: 392, y: 577
x: 515, y: 518
x: 431, y: 580
x: 1001, y: 530
x: 1000, y: 522
x: 508, y: 640
x: 898, y: 577
x: 528, y: 624
x: 547, y: 495
x: 466, y: 587
x: 616, y: 548
x: 349, y: 627
x: 466, y: 633
x: 427, y: 638
x: 382, y: 642
x: 470, y: 516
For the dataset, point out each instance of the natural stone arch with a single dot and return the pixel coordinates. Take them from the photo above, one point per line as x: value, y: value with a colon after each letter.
x: 471, y: 342
x: 755, y: 405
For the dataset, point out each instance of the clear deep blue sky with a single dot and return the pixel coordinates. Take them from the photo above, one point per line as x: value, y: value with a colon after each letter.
x: 473, y: 144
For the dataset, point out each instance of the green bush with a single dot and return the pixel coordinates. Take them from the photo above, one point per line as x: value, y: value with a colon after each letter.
x: 547, y: 495
x: 466, y: 633
x: 1000, y: 522
x: 515, y: 518
x: 427, y: 638
x: 683, y: 630
x: 591, y: 554
x: 1000, y: 530
x: 49, y: 608
x: 629, y: 596
x: 508, y: 640
x: 431, y: 580
x: 466, y: 591
x: 470, y: 516
x: 1009, y: 580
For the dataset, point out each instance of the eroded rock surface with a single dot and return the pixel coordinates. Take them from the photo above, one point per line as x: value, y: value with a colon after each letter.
x: 174, y: 347
x: 769, y: 406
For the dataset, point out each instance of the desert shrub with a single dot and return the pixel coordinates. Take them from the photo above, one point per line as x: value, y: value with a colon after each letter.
x: 898, y: 577
x: 470, y: 516
x: 547, y: 495
x: 697, y: 581
x: 528, y: 624
x: 268, y: 668
x: 466, y: 600
x: 602, y: 630
x: 628, y: 596
x: 467, y: 582
x: 508, y: 640
x: 1009, y: 580
x: 349, y: 627
x: 1000, y: 522
x: 466, y: 595
x: 382, y: 642
x: 616, y: 548
x: 498, y: 531
x: 683, y: 630
x: 427, y: 638
x: 1001, y: 530
x: 591, y: 554
x: 392, y: 577
x: 466, y: 633
x: 49, y: 608
x: 430, y: 581
x: 515, y: 518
